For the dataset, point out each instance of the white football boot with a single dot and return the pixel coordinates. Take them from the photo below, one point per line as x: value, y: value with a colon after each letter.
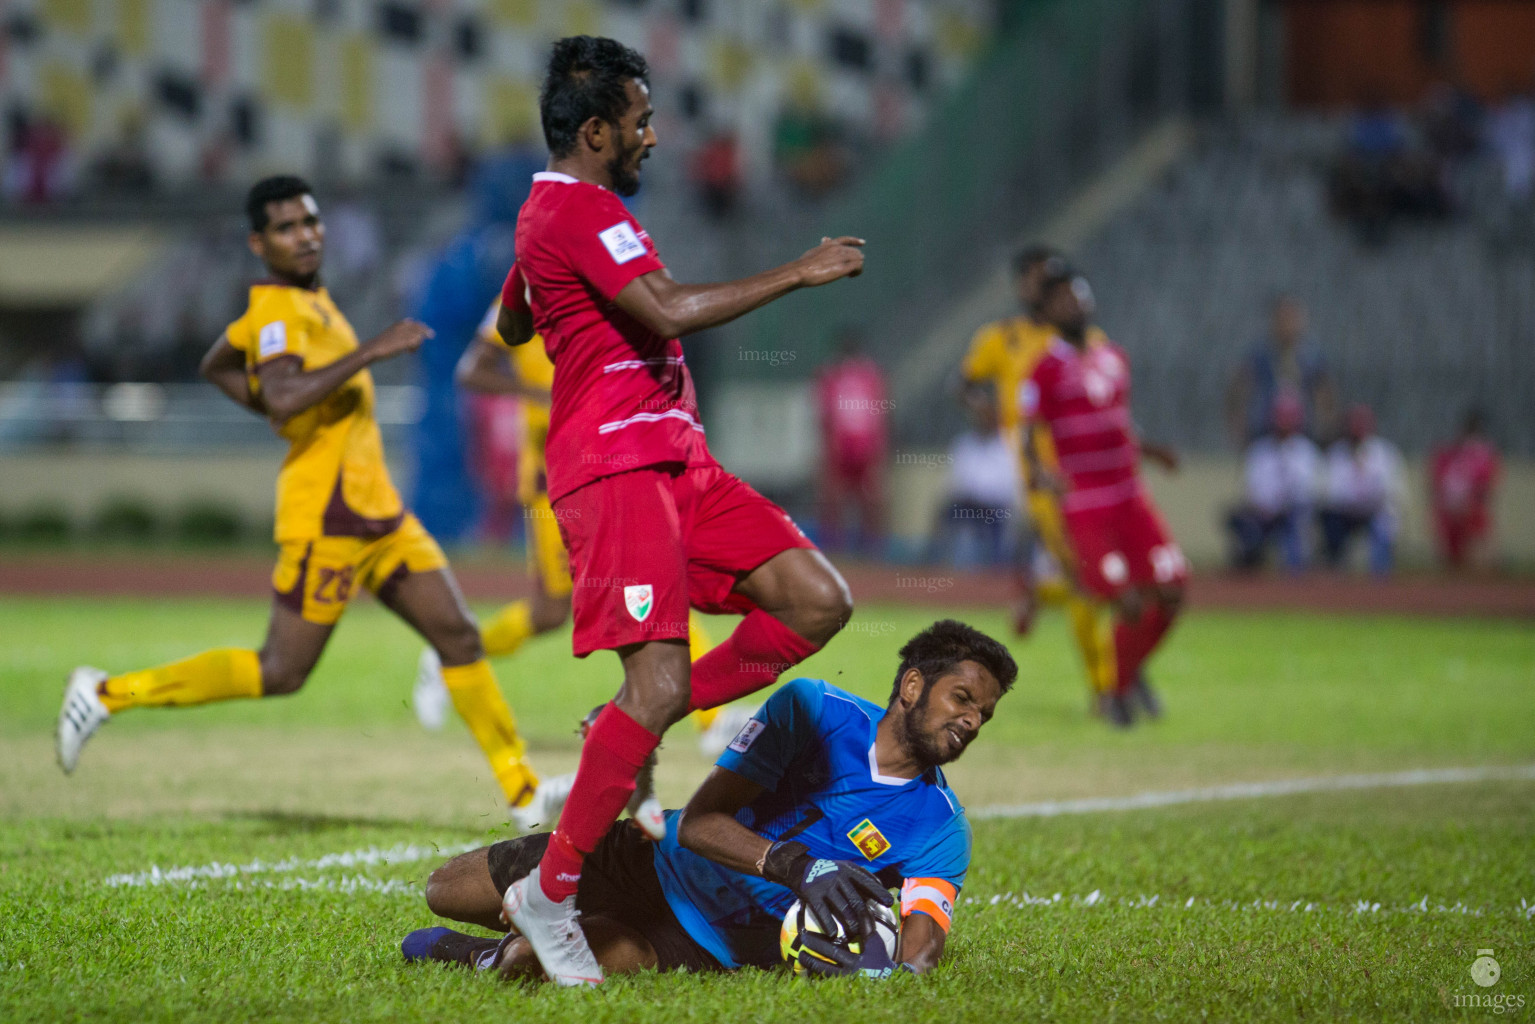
x: 80, y: 717
x: 430, y: 694
x: 726, y: 725
x: 554, y: 931
x: 543, y: 811
x: 644, y: 806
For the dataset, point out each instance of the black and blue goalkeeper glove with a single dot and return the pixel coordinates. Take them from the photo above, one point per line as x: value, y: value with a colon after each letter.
x: 835, y: 891
x: 819, y: 955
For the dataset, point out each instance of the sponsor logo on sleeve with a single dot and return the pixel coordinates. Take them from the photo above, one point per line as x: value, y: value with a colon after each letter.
x: 869, y: 840
x: 748, y: 734
x: 273, y: 339
x: 621, y: 242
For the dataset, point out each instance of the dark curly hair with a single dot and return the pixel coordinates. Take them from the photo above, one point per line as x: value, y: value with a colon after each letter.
x: 587, y: 77
x: 272, y: 190
x: 946, y: 643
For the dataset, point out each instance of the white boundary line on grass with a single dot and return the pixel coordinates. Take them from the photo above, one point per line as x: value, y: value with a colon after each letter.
x: 1250, y: 790
x: 401, y: 853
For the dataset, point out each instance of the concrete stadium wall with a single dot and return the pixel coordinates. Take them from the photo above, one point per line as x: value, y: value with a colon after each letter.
x: 1193, y: 501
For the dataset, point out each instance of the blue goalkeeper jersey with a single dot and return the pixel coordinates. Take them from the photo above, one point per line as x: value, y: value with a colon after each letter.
x: 811, y: 748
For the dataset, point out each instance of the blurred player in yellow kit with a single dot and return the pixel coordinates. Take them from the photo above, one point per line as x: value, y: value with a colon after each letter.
x: 1002, y: 354
x: 293, y: 358
x: 491, y: 366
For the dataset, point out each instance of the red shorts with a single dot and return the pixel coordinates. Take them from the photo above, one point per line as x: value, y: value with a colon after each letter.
x: 647, y: 544
x: 1123, y: 545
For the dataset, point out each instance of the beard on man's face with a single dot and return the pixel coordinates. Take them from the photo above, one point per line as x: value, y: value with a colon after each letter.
x: 626, y: 178
x: 925, y: 739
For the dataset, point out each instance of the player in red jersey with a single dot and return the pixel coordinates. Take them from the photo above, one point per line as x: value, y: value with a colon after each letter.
x: 652, y: 523
x: 1462, y: 477
x: 1080, y: 391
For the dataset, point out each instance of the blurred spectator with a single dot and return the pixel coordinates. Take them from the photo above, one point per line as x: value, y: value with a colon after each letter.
x: 715, y: 170
x: 1288, y: 362
x: 1451, y: 121
x: 977, y: 525
x: 496, y: 428
x: 41, y: 165
x: 354, y: 242
x: 1383, y: 173
x: 1280, y: 472
x: 1462, y: 477
x: 124, y: 167
x: 807, y: 151
x: 1511, y: 137
x: 855, y: 438
x: 1363, y: 486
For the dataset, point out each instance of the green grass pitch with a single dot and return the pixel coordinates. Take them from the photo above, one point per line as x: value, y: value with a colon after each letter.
x: 308, y: 825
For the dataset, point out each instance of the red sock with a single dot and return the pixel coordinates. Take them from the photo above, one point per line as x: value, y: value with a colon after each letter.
x: 750, y: 658
x: 1134, y: 640
x: 614, y: 751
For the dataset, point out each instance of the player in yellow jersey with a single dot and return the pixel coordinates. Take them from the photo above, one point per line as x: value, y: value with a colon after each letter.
x: 1002, y: 354
x: 293, y: 358
x: 491, y: 366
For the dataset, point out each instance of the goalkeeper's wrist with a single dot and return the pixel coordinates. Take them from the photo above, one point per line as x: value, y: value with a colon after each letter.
x: 784, y: 863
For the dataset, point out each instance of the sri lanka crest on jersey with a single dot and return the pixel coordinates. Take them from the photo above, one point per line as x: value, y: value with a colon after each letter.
x: 870, y: 842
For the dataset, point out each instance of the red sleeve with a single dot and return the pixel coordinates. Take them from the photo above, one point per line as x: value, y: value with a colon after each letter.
x: 514, y: 293
x: 606, y: 246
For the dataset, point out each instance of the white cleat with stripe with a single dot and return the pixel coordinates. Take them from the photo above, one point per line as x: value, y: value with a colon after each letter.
x: 80, y: 717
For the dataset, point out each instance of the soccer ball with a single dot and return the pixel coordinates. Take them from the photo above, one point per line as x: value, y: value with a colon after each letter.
x: 798, y: 921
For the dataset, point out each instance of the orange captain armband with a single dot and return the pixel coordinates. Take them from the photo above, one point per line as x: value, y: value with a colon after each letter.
x: 931, y: 896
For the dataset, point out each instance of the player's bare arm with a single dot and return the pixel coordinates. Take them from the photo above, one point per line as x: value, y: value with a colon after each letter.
x: 288, y: 389
x: 484, y: 368
x: 1041, y: 476
x: 673, y: 309
x: 1163, y: 455
x: 709, y: 828
x: 514, y: 325
x: 224, y: 368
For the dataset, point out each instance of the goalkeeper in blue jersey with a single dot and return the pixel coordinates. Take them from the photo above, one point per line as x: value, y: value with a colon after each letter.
x: 823, y: 797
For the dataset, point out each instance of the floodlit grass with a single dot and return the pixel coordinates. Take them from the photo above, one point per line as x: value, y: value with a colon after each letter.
x: 1366, y: 905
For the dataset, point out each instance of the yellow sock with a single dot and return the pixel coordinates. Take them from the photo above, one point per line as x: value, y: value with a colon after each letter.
x: 699, y: 644
x: 1093, y: 630
x: 508, y: 629
x: 480, y: 704
x: 223, y: 674
x: 1053, y: 590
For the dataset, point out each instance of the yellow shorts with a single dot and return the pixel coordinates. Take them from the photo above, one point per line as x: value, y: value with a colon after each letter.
x: 317, y: 578
x: 547, y: 556
x: 1050, y: 527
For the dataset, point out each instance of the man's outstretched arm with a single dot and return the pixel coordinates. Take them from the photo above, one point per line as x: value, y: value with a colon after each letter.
x: 671, y: 309
x: 485, y: 368
x: 288, y: 389
x: 224, y: 368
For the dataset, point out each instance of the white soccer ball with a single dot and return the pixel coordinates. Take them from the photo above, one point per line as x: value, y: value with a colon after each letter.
x: 799, y: 921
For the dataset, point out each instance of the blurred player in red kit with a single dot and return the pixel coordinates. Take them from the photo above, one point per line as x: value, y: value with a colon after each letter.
x: 651, y: 522
x: 855, y: 437
x: 1463, y: 475
x: 1124, y: 553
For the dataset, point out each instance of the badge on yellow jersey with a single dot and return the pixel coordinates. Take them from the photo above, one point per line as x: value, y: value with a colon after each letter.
x: 869, y: 840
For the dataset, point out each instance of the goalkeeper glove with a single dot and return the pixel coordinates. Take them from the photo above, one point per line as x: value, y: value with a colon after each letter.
x: 835, y: 891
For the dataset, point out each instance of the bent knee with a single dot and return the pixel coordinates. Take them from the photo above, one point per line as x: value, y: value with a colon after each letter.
x: 825, y: 597
x: 280, y: 677
x: 458, y: 642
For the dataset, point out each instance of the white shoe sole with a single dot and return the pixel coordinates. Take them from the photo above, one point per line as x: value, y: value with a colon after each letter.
x: 80, y: 716
x: 430, y: 694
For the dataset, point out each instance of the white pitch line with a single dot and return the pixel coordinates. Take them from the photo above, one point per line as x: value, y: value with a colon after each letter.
x: 402, y: 853
x: 1252, y: 790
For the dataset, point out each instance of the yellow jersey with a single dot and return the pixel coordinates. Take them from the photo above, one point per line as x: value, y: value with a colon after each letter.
x: 531, y: 361
x: 333, y: 482
x: 1004, y: 354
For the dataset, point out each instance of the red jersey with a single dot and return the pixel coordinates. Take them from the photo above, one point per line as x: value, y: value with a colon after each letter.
x: 854, y: 410
x: 1083, y: 397
x: 1464, y: 474
x: 622, y: 396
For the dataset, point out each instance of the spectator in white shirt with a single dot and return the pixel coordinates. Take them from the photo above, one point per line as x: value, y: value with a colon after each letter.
x: 1280, y: 471
x: 978, y: 523
x: 1362, y: 492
